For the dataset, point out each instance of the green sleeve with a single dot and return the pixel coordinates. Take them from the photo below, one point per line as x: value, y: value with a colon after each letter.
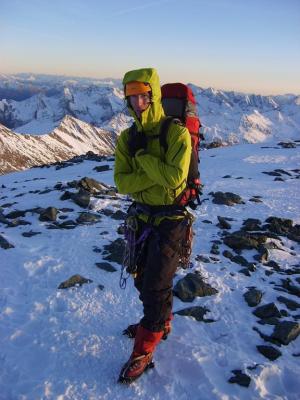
x: 171, y: 172
x: 128, y: 179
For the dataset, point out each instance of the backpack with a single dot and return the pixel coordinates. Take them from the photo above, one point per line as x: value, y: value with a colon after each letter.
x: 179, y: 103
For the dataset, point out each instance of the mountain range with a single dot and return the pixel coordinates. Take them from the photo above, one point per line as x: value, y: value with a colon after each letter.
x: 47, y: 105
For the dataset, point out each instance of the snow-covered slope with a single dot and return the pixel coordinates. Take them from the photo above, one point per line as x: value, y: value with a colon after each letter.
x: 71, y: 138
x: 68, y: 343
x: 227, y: 117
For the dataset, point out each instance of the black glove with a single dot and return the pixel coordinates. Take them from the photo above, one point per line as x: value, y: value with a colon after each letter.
x: 137, y: 141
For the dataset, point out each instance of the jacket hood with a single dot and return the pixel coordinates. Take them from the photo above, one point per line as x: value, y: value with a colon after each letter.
x: 154, y: 113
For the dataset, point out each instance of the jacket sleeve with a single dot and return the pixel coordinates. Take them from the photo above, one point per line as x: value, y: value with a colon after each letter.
x: 127, y: 179
x: 171, y: 172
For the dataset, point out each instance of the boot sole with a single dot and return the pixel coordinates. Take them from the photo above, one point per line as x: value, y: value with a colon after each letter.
x: 132, y: 379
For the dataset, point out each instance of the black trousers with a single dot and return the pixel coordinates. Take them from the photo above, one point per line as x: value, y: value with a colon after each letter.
x: 157, y: 265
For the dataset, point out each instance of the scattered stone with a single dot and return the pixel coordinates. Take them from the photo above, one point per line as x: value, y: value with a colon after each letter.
x: 269, y: 321
x: 115, y: 250
x: 269, y: 352
x: 30, y: 233
x: 223, y: 223
x: 16, y: 214
x: 69, y: 224
x: 18, y: 222
x: 192, y: 286
x: 5, y: 244
x: 82, y: 198
x: 253, y: 297
x: 286, y: 331
x: 202, y: 258
x: 251, y: 224
x: 100, y: 287
x: 101, y: 168
x: 227, y: 198
x: 106, y: 266
x: 255, y: 200
x: 206, y: 221
x: 75, y: 280
x: 196, y: 312
x: 287, y: 145
x: 291, y: 304
x: 245, y: 271
x: 91, y: 186
x: 226, y: 176
x: 267, y: 311
x: 88, y: 218
x: 119, y: 215
x: 48, y: 214
x: 215, y: 249
x: 66, y: 196
x: 288, y: 285
x: 121, y: 229
x: 240, y: 240
x: 107, y: 212
x: 240, y: 378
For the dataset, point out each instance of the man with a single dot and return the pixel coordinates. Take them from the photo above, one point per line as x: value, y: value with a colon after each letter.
x: 154, y: 180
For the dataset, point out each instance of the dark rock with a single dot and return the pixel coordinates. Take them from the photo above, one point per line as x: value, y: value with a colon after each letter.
x: 227, y: 198
x: 106, y: 266
x: 286, y: 331
x: 223, y: 224
x: 274, y: 265
x: 240, y: 260
x: 45, y: 191
x: 15, y: 214
x: 30, y: 233
x: 69, y: 224
x: 281, y: 226
x: 272, y: 173
x: 121, y: 229
x: 91, y: 186
x: 215, y: 249
x: 226, y: 176
x: 269, y: 352
x: 107, y: 212
x: 245, y: 271
x: 240, y: 240
x: 253, y: 297
x: 291, y: 304
x: 228, y: 254
x: 100, y: 287
x: 196, y: 312
x: 202, y: 258
x: 255, y: 200
x: 240, y: 378
x: 101, y: 168
x: 18, y: 222
x: 290, y: 287
x: 119, y: 215
x: 287, y: 145
x: 206, y: 221
x: 252, y: 224
x: 75, y: 280
x: 115, y: 250
x: 267, y: 311
x: 88, y: 218
x: 82, y: 198
x: 66, y: 196
x: 192, y: 286
x: 5, y: 244
x: 48, y: 214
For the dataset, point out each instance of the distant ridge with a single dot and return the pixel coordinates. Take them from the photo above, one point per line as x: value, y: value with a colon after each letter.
x: 71, y: 138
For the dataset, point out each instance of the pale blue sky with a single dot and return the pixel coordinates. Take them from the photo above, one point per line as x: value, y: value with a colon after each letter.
x: 250, y: 46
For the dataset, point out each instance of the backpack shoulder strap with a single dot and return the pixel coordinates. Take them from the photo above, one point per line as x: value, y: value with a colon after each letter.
x: 164, y: 129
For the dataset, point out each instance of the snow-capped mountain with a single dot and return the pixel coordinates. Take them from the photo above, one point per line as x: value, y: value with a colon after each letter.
x: 71, y: 138
x: 227, y: 117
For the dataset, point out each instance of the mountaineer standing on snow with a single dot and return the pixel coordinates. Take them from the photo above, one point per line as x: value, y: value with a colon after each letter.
x: 156, y: 224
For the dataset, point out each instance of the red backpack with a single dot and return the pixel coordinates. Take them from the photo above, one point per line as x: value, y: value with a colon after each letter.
x: 179, y: 103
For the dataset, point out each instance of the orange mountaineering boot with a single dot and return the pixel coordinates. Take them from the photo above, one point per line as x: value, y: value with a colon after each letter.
x: 141, y: 357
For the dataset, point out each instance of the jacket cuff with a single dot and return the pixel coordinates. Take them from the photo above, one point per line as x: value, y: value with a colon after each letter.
x: 140, y: 152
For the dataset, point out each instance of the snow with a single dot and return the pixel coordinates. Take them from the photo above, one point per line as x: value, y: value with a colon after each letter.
x: 68, y: 344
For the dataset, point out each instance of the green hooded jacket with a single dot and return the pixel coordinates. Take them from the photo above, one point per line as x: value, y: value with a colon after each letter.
x: 152, y: 177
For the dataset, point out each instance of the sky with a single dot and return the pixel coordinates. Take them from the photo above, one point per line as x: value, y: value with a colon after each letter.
x: 248, y: 46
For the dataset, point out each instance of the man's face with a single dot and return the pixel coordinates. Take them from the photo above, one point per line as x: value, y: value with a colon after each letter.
x: 140, y: 102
